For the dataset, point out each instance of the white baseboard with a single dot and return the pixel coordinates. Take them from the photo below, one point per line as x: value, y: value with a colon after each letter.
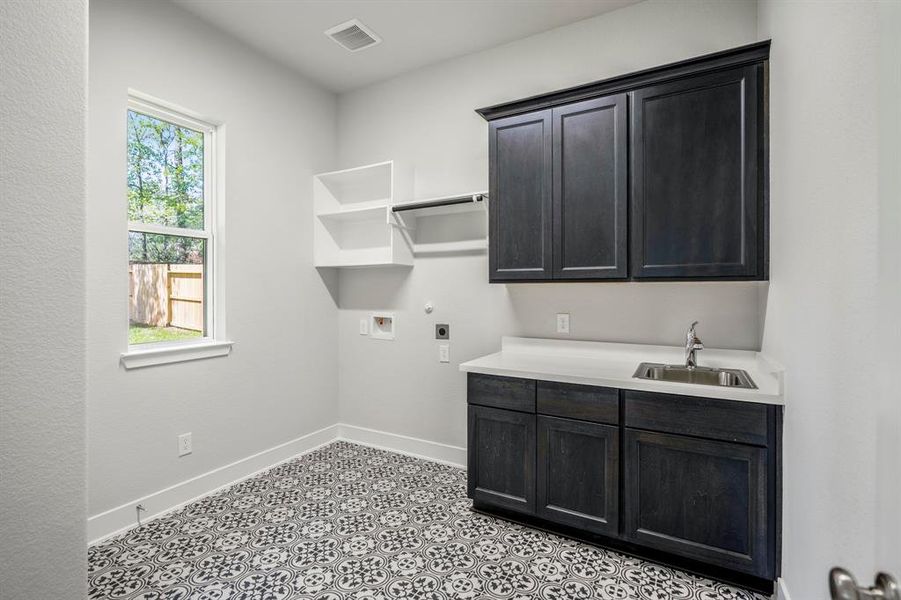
x: 434, y: 451
x: 124, y: 517
x: 781, y: 590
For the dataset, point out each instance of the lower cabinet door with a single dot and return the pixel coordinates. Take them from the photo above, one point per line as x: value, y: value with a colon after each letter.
x: 501, y: 458
x: 578, y: 474
x: 700, y: 499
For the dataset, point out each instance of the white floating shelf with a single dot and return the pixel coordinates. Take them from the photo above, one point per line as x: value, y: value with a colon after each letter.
x: 365, y: 257
x: 352, y: 225
x: 461, y: 246
x: 379, y: 213
x: 368, y: 185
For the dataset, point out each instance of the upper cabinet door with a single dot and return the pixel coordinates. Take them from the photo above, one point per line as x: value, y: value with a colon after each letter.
x: 519, y: 188
x: 696, y: 204
x: 590, y: 195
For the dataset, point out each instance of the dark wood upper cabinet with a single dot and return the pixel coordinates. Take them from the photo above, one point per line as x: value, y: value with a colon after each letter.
x: 659, y: 174
x: 590, y: 196
x: 695, y: 201
x: 519, y: 187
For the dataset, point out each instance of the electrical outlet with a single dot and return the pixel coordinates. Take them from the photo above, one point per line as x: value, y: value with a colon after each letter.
x: 444, y: 353
x: 562, y: 322
x: 185, y: 446
x: 364, y: 326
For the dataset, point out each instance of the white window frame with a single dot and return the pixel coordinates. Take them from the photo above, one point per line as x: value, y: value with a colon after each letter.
x: 214, y: 342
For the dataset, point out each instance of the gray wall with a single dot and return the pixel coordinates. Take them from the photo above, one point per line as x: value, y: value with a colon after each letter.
x: 280, y: 381
x: 888, y: 416
x: 43, y: 69
x: 830, y: 311
x: 834, y: 93
x: 426, y: 118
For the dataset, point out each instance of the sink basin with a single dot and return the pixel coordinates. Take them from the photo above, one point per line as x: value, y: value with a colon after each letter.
x: 735, y: 378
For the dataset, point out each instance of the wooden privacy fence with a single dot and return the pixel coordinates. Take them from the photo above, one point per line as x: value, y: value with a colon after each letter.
x: 165, y: 295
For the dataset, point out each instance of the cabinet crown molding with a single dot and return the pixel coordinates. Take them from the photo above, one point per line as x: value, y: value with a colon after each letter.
x: 724, y: 59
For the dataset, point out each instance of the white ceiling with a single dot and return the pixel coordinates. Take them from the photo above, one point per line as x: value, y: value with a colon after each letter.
x: 414, y: 32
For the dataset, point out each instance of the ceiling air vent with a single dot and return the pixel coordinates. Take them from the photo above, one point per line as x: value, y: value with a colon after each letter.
x: 353, y: 35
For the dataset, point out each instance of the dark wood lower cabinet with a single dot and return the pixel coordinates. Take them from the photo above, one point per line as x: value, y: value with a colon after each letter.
x: 702, y: 499
x: 578, y: 474
x: 690, y: 481
x: 501, y: 458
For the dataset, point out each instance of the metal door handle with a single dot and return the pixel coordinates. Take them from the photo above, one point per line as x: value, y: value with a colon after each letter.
x: 843, y: 586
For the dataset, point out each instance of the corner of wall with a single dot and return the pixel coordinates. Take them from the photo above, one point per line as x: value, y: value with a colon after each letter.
x: 42, y: 304
x: 781, y: 590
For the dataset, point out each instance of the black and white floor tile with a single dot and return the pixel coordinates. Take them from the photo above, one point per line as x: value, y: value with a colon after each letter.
x: 348, y: 522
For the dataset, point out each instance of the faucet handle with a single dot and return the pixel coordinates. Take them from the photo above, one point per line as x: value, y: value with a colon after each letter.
x: 692, y: 344
x: 690, y: 334
x: 692, y: 338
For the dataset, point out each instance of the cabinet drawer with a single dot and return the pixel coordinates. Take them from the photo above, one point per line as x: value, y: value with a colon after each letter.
x: 501, y: 392
x: 726, y: 420
x: 582, y: 402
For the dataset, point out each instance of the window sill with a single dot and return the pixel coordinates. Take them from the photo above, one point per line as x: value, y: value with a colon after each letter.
x: 172, y: 353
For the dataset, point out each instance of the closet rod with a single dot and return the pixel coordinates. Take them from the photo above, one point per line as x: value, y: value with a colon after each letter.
x: 440, y: 202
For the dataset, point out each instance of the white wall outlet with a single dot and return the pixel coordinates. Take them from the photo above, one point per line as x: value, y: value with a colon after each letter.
x: 381, y: 326
x: 444, y: 353
x: 562, y: 322
x: 185, y: 446
x: 364, y: 326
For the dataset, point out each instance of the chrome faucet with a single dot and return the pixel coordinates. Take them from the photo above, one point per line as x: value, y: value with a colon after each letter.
x: 692, y: 345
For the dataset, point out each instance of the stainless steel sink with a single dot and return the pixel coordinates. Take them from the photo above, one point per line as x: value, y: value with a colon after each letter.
x: 701, y: 375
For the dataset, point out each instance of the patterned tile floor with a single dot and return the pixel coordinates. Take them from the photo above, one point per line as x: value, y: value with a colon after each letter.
x: 348, y: 522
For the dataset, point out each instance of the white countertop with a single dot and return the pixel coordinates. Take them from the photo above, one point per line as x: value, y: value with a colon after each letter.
x: 612, y: 365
